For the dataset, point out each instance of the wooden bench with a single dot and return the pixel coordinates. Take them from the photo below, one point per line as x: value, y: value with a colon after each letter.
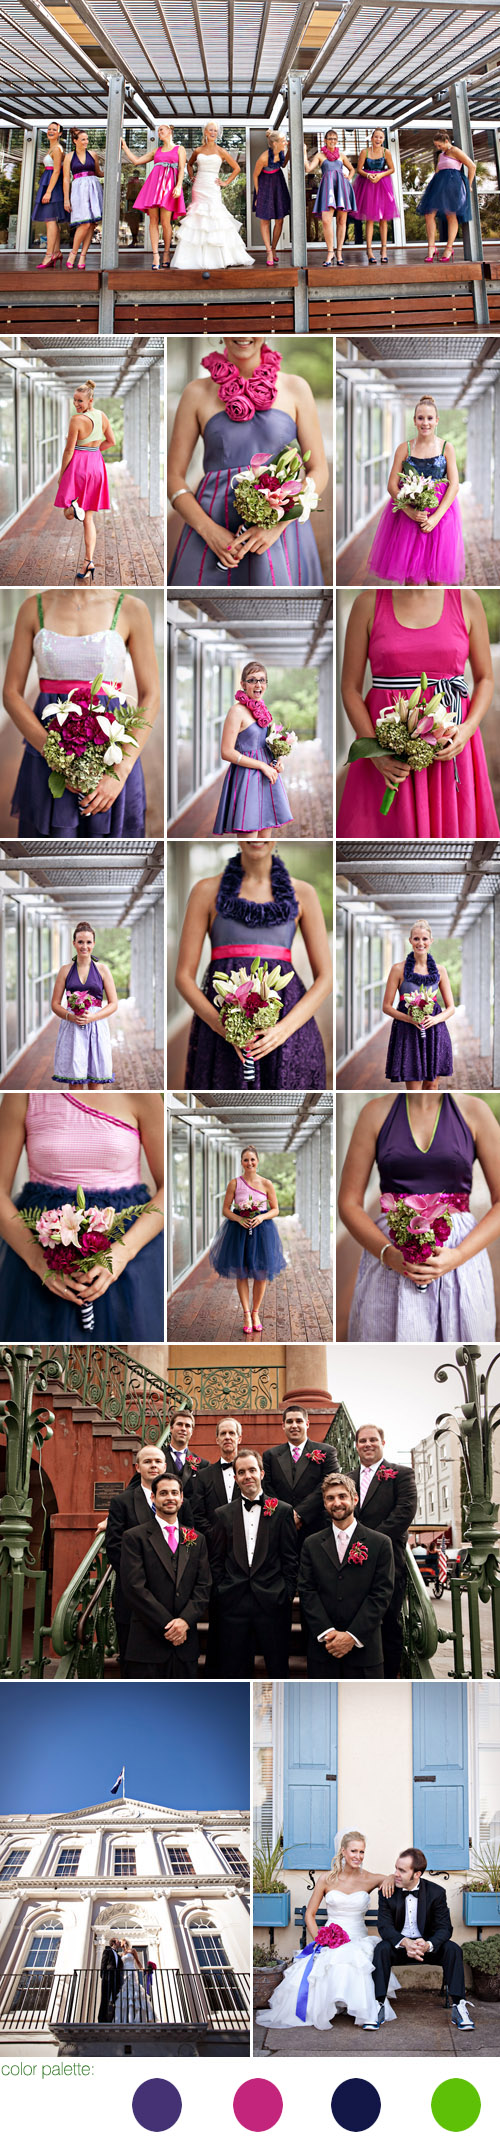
x: 229, y: 299
x: 371, y: 1924
x: 395, y: 297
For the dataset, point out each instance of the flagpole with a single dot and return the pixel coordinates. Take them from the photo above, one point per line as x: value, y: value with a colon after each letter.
x: 123, y: 1785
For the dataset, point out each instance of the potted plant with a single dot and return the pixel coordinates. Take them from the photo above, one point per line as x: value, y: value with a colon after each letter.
x: 481, y: 1896
x: 484, y: 1962
x: 271, y: 1898
x: 268, y: 1969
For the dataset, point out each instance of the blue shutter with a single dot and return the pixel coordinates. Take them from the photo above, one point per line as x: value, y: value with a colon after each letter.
x: 310, y: 1775
x: 440, y: 1774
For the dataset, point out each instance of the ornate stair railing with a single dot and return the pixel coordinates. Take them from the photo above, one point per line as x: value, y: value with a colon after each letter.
x: 83, y: 1630
x: 124, y: 1391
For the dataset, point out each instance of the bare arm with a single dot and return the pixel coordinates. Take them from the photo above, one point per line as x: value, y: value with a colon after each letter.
x: 462, y: 159
x: 57, y: 159
x: 314, y: 1903
x: 196, y: 926
x: 109, y: 436
x: 486, y: 1136
x: 316, y: 942
x: 389, y: 161
x: 148, y: 1108
x: 356, y: 650
x: 233, y: 725
x: 16, y: 675
x: 392, y: 989
x: 57, y: 1004
x: 71, y: 443
x: 181, y: 171
x: 12, y: 1228
x: 451, y: 491
x: 355, y: 1178
x: 188, y: 425
x: 259, y: 167
x: 67, y: 177
x: 235, y: 168
x: 111, y: 1004
x: 145, y: 158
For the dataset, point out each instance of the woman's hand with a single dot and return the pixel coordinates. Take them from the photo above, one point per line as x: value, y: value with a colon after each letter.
x: 58, y: 1282
x: 98, y: 1280
x: 387, y: 1888
x: 435, y: 1266
x: 257, y: 540
x: 455, y: 744
x: 221, y: 542
x: 106, y: 792
x: 265, y: 1043
x: 431, y: 522
x: 394, y: 1261
x: 393, y: 771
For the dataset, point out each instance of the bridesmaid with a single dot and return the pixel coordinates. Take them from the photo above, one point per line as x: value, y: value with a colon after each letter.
x: 48, y: 206
x: 375, y: 198
x: 83, y: 196
x: 83, y: 480
x: 247, y: 407
x: 83, y: 1049
x: 447, y: 195
x: 72, y: 636
x: 419, y: 1054
x: 400, y: 635
x: 252, y: 909
x: 70, y: 1144
x: 415, y: 545
x: 421, y: 1152
x: 249, y: 1252
x: 335, y: 197
x: 161, y: 194
x: 253, y: 802
x: 271, y: 197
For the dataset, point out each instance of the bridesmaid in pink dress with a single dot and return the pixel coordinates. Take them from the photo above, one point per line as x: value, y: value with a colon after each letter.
x: 401, y: 634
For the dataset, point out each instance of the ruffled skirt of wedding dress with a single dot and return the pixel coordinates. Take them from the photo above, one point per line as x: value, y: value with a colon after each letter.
x: 210, y: 238
x: 337, y: 1978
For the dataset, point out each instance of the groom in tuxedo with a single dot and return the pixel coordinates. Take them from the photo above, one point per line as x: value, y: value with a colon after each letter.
x: 166, y: 1579
x: 387, y: 1500
x: 254, y: 1560
x: 111, y: 1973
x: 415, y: 1925
x: 345, y: 1582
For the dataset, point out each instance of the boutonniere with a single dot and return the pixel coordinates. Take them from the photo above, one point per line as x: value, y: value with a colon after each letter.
x: 387, y: 1473
x: 357, y: 1552
x: 188, y: 1533
x: 192, y: 1460
x: 271, y: 1504
x: 318, y: 1456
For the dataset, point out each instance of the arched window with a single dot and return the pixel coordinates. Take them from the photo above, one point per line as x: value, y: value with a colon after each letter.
x: 35, y: 1983
x: 222, y: 1990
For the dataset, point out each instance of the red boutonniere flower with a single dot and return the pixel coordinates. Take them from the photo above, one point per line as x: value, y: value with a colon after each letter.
x: 357, y: 1552
x: 387, y: 1473
x: 192, y: 1460
x: 271, y: 1504
x: 319, y: 1457
x: 189, y: 1534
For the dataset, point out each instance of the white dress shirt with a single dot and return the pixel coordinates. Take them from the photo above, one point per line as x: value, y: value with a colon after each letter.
x: 251, y: 1522
x: 410, y: 1926
x: 228, y: 1472
x: 148, y: 1493
x: 366, y: 1474
x: 296, y: 1447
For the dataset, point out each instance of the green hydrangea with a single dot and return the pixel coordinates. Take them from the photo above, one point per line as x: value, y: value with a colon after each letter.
x: 416, y: 752
x: 252, y: 506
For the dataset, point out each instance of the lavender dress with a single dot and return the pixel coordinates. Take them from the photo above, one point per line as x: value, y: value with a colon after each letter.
x: 461, y: 1304
x: 248, y: 801
x: 229, y: 444
x: 243, y: 930
x: 412, y: 1053
x: 74, y: 659
x: 83, y: 1052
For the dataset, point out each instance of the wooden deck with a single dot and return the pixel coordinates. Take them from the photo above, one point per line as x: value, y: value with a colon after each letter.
x: 482, y: 552
x: 42, y: 548
x: 297, y: 1305
x: 137, y: 1063
x: 365, y: 1070
x: 310, y: 793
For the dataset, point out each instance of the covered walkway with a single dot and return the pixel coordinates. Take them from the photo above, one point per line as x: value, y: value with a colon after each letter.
x: 137, y: 1063
x: 206, y: 1132
x: 210, y: 639
x: 457, y: 889
x: 38, y: 546
x: 378, y: 383
x: 44, y: 889
x: 298, y: 1305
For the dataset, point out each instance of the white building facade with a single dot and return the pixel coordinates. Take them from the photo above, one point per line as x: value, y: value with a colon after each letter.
x: 174, y: 1884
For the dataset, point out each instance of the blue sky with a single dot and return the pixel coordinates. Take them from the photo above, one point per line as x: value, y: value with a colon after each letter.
x: 183, y: 1744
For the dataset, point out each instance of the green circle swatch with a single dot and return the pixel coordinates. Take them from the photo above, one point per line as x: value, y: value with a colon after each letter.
x: 455, y: 2105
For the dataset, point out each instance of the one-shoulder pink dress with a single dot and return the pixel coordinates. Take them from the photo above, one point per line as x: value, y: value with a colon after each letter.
x: 429, y: 803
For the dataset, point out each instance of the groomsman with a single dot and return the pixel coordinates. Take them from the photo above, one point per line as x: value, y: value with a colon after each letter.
x: 216, y: 1484
x: 135, y: 1507
x: 166, y: 1579
x: 254, y: 1561
x: 346, y: 1578
x: 179, y: 1452
x: 387, y: 1500
x: 295, y: 1470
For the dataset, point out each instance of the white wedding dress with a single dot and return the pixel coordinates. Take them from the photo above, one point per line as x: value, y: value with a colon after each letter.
x: 341, y: 1977
x: 132, y: 2003
x: 209, y: 238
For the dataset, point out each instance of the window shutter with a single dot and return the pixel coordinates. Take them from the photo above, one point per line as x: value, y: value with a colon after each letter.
x: 310, y: 1775
x: 440, y: 1774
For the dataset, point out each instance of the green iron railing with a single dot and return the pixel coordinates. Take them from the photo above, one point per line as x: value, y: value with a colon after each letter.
x: 124, y: 1391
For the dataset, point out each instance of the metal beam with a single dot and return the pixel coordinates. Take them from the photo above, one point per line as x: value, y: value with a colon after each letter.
x: 111, y: 202
x: 298, y: 197
x: 471, y: 233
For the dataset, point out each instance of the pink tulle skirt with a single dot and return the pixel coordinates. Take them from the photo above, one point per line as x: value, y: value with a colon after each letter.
x: 428, y: 804
x: 375, y: 200
x: 158, y: 191
x: 85, y: 480
x: 403, y: 552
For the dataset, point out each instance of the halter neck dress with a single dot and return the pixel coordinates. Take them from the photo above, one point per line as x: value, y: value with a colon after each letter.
x: 64, y: 663
x: 375, y: 200
x: 403, y: 552
x: 86, y: 190
x: 210, y: 237
x: 158, y: 189
x: 335, y: 189
x: 44, y: 212
x: 83, y: 1052
x: 85, y: 478
x: 242, y: 930
x: 248, y: 801
x: 414, y: 1054
x: 429, y: 803
x: 271, y: 196
x: 229, y: 444
x: 70, y: 1143
x: 238, y: 1254
x: 461, y: 1304
x: 318, y: 1982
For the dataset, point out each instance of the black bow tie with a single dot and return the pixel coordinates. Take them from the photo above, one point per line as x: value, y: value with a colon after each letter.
x: 253, y: 1503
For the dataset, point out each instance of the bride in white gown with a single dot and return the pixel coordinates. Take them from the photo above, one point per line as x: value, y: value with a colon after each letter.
x: 210, y: 237
x: 132, y: 2003
x: 320, y: 1982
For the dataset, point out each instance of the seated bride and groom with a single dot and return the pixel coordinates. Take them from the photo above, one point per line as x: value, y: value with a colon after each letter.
x: 342, y: 1969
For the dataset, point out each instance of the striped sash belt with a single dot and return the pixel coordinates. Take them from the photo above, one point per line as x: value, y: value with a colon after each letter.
x: 451, y: 688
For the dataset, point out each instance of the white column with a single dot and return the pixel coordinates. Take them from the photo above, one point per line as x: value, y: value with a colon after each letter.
x: 485, y: 976
x: 26, y: 191
x: 496, y: 455
x: 144, y: 438
x: 159, y: 974
x: 154, y: 440
x: 298, y: 200
x: 315, y: 1190
x: 496, y: 991
x: 111, y: 201
x: 325, y: 1186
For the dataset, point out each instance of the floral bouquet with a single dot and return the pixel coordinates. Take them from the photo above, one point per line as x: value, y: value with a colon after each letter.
x: 276, y: 487
x: 411, y: 728
x: 250, y: 1210
x: 420, y: 1226
x: 278, y: 741
x: 79, y: 1003
x: 249, y: 1003
x: 88, y: 738
x: 419, y: 1004
x: 332, y: 1935
x: 416, y: 491
x: 73, y: 1235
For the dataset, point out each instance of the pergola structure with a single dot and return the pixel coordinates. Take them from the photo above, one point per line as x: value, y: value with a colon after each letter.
x: 284, y: 630
x: 130, y: 367
x: 300, y: 1123
x: 119, y: 882
x: 291, y: 626
x: 457, y: 889
x: 465, y: 370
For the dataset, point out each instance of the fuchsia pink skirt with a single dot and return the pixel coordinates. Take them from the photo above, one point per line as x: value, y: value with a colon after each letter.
x: 403, y: 552
x: 85, y: 480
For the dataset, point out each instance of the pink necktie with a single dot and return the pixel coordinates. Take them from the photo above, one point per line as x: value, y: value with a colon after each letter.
x: 295, y: 1452
x: 171, y: 1533
x: 342, y: 1545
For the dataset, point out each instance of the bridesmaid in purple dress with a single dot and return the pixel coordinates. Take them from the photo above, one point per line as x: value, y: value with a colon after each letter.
x: 253, y: 909
x: 72, y: 636
x: 423, y: 1148
x: 83, y: 1049
x: 246, y: 408
x: 253, y: 796
x: 419, y: 1053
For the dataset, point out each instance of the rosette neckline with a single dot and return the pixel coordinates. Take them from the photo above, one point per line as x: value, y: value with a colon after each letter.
x: 258, y: 710
x: 410, y: 972
x: 241, y: 397
x: 282, y: 906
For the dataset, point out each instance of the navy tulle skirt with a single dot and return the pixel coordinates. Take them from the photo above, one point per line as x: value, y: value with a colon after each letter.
x: 236, y: 1254
x: 446, y: 192
x: 132, y: 1308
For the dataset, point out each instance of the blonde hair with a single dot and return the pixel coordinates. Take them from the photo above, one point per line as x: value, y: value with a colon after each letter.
x: 276, y: 134
x: 425, y: 399
x: 85, y: 388
x: 420, y: 923
x: 338, y: 1864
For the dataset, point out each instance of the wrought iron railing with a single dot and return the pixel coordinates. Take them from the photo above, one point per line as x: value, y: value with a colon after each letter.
x: 420, y: 1630
x: 217, y: 1999
x: 233, y: 1390
x: 124, y: 1391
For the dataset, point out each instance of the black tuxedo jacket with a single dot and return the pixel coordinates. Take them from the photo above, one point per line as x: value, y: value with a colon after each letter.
x: 390, y: 1506
x: 346, y: 1596
x: 188, y: 1474
x: 433, y: 1914
x: 209, y: 1494
x: 158, y: 1586
x: 111, y: 1972
x: 125, y: 1511
x: 270, y: 1581
x: 300, y: 1485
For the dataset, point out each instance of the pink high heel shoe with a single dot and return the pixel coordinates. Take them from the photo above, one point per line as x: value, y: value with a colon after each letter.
x: 448, y: 257
x: 256, y: 1324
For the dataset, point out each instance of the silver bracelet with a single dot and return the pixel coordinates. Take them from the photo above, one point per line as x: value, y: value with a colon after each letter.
x: 383, y: 1252
x: 179, y: 490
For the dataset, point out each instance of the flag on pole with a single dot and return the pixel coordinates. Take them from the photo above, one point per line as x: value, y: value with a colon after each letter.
x: 120, y: 1782
x: 442, y: 1564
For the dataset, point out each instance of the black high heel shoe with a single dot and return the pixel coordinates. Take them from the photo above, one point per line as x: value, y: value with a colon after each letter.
x: 82, y: 573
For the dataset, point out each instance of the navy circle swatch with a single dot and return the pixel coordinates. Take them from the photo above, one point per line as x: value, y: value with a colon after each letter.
x: 355, y: 2105
x: 156, y: 2105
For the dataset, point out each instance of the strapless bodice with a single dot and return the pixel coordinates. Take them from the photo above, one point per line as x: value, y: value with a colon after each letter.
x: 211, y: 165
x: 79, y: 658
x: 229, y: 444
x: 348, y: 1909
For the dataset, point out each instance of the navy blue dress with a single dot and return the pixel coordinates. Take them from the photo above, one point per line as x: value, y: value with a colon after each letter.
x: 44, y: 212
x: 413, y: 1053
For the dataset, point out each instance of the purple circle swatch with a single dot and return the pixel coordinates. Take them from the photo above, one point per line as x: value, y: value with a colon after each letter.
x: 258, y: 2105
x: 355, y: 2105
x: 156, y: 2105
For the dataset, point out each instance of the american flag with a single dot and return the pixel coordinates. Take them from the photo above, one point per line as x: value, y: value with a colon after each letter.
x: 442, y: 1564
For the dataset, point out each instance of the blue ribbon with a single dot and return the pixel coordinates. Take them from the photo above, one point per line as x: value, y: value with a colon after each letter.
x: 306, y: 1954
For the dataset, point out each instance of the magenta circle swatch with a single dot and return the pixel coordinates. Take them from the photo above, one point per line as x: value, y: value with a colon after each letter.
x: 258, y: 2105
x: 156, y: 2105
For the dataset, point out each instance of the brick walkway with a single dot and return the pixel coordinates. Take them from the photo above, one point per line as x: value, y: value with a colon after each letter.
x: 422, y: 2028
x: 42, y: 548
x: 310, y: 793
x: 297, y: 1305
x: 366, y: 1069
x: 137, y: 1063
x: 482, y: 553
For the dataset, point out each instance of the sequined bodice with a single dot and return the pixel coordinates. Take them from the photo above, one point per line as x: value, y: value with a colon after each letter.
x: 428, y: 467
x: 79, y: 658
